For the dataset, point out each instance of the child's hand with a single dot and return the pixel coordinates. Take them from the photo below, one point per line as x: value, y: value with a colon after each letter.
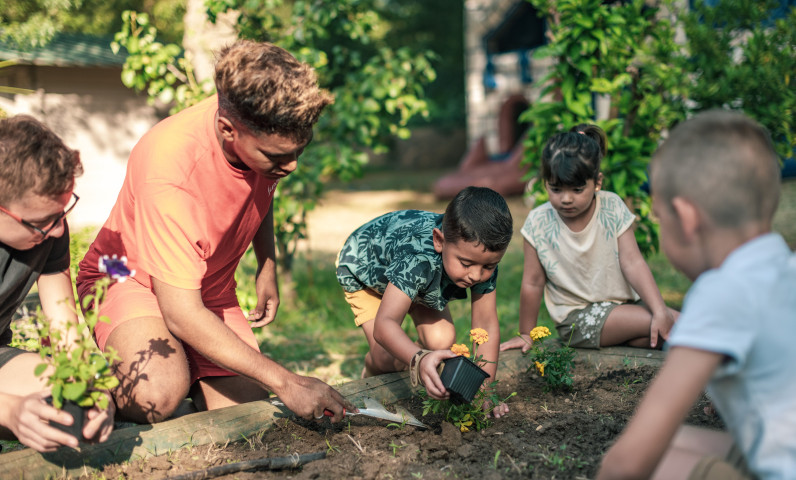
x: 660, y: 326
x: 429, y: 375
x: 496, y: 411
x: 100, y: 423
x: 523, y: 341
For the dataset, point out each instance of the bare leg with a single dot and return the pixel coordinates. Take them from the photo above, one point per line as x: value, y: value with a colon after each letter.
x: 211, y: 393
x: 17, y: 378
x: 154, y: 374
x: 435, y: 329
x: 378, y: 360
x: 688, y: 447
x: 628, y: 325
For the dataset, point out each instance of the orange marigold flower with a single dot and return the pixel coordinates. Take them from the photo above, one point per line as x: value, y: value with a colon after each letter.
x: 540, y: 367
x: 479, y: 336
x: 460, y: 349
x: 539, y: 333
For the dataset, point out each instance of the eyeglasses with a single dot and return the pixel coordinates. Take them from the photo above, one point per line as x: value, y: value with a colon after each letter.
x: 55, y: 223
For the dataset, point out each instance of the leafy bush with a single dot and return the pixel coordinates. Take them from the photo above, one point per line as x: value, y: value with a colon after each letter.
x: 743, y: 59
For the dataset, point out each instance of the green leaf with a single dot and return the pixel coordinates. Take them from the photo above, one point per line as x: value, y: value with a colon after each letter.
x: 74, y: 391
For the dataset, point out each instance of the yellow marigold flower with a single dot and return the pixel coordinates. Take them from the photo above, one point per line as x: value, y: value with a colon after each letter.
x: 539, y: 333
x: 460, y: 349
x: 540, y: 367
x: 479, y: 336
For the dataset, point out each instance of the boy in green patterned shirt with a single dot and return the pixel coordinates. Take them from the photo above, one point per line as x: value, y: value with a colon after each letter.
x: 414, y: 262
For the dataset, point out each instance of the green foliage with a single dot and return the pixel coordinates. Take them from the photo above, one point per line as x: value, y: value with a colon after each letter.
x: 378, y: 88
x: 155, y: 68
x: 740, y: 59
x: 77, y: 371
x: 466, y: 416
x: 35, y: 22
x: 617, y: 51
x: 554, y: 363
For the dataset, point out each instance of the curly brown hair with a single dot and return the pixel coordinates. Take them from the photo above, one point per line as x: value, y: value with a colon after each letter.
x: 265, y: 88
x: 33, y: 158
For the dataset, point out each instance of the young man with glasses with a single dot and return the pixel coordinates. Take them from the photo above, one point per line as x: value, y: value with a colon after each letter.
x: 37, y: 175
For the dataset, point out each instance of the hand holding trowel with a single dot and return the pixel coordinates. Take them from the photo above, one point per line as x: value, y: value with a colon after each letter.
x: 373, y: 408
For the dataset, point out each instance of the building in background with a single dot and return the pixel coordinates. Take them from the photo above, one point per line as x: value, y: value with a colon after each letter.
x: 75, y: 88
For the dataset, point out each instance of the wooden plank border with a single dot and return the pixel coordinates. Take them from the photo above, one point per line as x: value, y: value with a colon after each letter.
x: 234, y: 423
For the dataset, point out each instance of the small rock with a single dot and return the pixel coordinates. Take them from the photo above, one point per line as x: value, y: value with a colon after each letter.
x: 540, y: 428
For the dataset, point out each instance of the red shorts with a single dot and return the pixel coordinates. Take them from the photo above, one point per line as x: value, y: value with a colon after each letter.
x: 130, y: 300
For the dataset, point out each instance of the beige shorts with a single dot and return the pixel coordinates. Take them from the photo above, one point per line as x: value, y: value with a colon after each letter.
x: 364, y: 303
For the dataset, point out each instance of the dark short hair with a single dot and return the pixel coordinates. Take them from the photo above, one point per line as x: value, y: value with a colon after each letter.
x: 572, y: 158
x: 33, y: 158
x: 479, y: 215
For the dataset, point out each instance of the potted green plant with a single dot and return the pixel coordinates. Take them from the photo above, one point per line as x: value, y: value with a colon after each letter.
x: 78, y: 373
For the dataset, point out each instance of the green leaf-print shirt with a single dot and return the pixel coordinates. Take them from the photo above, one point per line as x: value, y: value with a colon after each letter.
x: 398, y: 248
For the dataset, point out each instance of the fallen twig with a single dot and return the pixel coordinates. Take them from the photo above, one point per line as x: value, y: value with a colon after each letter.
x: 356, y: 444
x: 275, y: 463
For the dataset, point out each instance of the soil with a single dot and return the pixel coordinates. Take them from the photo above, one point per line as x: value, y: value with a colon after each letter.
x: 545, y: 436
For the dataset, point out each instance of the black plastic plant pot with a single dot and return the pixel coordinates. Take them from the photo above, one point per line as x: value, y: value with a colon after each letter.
x: 77, y: 412
x: 462, y: 378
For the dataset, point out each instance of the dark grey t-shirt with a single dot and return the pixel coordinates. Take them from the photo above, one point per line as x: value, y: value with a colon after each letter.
x: 19, y: 269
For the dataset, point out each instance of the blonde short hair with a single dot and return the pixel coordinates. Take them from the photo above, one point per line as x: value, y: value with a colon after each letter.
x: 725, y: 163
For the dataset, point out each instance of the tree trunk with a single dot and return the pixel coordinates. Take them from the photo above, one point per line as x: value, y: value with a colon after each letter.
x: 202, y: 38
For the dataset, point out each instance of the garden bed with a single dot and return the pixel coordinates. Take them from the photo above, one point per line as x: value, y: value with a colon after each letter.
x: 546, y: 435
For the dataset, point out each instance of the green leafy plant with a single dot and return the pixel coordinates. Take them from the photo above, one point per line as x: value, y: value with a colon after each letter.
x: 553, y: 363
x: 741, y: 58
x: 76, y: 369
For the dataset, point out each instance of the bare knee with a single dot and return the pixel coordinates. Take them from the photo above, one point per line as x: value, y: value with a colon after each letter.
x: 150, y: 401
x: 438, y: 339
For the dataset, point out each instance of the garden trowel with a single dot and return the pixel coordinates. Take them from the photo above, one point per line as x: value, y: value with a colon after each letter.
x: 373, y: 408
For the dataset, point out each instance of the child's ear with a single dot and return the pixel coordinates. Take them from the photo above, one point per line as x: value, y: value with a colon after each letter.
x: 439, y: 240
x: 689, y: 217
x: 598, y: 184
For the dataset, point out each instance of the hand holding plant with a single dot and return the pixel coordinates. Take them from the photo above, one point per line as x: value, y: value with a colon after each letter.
x: 475, y: 414
x: 78, y: 372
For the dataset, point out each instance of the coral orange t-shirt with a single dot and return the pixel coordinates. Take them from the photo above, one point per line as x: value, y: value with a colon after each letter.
x: 184, y: 215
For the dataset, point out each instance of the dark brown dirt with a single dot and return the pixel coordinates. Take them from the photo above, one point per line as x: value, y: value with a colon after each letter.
x: 545, y: 436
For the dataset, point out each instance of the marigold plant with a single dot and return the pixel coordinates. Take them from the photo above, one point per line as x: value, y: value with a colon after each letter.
x: 460, y: 349
x: 553, y: 363
x: 468, y: 416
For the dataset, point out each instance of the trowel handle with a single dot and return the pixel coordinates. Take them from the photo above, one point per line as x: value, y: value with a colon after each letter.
x: 330, y: 413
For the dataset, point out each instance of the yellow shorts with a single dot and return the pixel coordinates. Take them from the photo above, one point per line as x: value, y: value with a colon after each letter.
x: 130, y: 300
x: 364, y: 303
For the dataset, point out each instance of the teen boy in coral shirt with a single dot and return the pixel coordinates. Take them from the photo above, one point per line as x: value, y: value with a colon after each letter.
x: 197, y: 193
